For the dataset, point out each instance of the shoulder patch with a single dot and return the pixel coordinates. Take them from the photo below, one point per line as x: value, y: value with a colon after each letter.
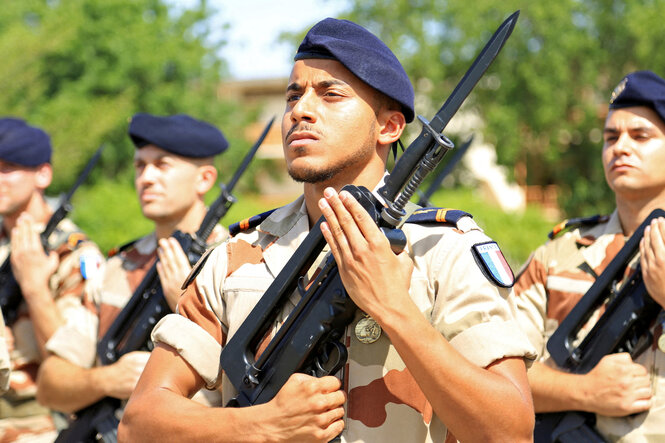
x: 437, y: 215
x: 491, y: 261
x: 118, y: 249
x: 577, y: 222
x: 75, y: 238
x: 248, y: 223
x: 90, y: 264
x: 196, y: 269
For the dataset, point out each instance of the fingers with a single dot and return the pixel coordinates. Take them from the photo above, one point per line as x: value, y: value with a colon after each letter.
x: 172, y: 258
x: 347, y: 223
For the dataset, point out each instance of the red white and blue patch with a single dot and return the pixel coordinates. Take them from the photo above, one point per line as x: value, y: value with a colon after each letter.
x: 493, y: 264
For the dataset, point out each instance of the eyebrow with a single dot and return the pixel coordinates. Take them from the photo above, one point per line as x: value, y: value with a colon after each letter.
x: 295, y: 86
x: 635, y: 129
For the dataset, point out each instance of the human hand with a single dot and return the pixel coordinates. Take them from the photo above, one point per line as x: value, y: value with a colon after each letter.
x: 374, y: 276
x: 617, y: 386
x: 31, y: 266
x: 306, y: 409
x: 652, y: 259
x: 121, y: 377
x: 173, y: 268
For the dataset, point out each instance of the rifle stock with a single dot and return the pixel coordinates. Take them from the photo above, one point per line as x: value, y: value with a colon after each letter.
x: 307, y: 341
x: 10, y: 292
x: 130, y: 331
x: 623, y: 327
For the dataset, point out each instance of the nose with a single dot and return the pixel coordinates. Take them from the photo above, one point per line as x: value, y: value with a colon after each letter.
x: 624, y: 144
x: 304, y: 108
x: 148, y: 174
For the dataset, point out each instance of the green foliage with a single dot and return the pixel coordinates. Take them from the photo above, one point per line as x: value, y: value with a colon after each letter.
x: 545, y: 97
x: 81, y: 68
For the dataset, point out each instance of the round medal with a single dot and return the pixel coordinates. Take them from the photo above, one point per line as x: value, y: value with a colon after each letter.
x: 367, y: 330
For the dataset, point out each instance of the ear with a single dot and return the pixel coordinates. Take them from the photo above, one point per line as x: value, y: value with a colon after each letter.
x: 43, y: 176
x: 207, y: 176
x: 391, y: 125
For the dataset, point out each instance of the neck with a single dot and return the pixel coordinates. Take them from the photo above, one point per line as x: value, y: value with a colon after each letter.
x: 633, y: 212
x: 188, y: 223
x: 368, y: 177
x: 36, y: 207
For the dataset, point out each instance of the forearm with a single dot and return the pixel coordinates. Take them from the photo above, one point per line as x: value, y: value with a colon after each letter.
x: 555, y: 391
x: 66, y: 387
x: 163, y: 414
x: 456, y: 388
x: 44, y: 315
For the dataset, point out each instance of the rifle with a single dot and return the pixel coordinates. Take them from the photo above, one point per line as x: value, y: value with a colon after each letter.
x: 623, y: 327
x: 308, y: 340
x: 438, y: 179
x: 10, y: 292
x: 130, y: 331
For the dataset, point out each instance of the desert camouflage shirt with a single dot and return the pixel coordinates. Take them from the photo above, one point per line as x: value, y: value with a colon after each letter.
x: 5, y: 363
x: 20, y: 413
x: 384, y: 401
x: 119, y: 277
x: 554, y: 280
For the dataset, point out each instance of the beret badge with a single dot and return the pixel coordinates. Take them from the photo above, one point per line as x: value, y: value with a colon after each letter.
x: 618, y: 90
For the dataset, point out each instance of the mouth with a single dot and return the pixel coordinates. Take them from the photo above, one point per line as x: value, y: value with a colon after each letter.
x: 299, y: 139
x: 621, y: 167
x: 147, y: 197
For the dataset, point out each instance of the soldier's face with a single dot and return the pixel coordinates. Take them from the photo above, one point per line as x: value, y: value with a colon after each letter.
x: 17, y: 185
x: 165, y: 184
x: 634, y: 152
x: 329, y: 127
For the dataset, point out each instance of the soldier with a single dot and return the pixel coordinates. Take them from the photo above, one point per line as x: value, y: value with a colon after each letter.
x: 52, y: 284
x: 450, y: 359
x: 5, y: 363
x: 174, y: 169
x: 627, y: 396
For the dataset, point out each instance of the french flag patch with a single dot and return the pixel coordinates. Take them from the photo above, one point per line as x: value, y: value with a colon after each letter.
x: 493, y: 264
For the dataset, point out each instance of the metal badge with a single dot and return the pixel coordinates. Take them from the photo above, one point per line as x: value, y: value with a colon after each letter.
x: 367, y: 330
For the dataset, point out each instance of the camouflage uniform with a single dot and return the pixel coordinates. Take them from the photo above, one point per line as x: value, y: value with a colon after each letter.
x: 554, y: 280
x: 5, y: 363
x: 384, y: 401
x: 121, y: 275
x: 21, y: 415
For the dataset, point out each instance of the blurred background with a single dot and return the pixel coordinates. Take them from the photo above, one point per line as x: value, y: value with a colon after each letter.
x: 81, y: 68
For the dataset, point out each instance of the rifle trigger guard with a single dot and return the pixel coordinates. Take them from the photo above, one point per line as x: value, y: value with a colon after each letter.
x: 324, y: 359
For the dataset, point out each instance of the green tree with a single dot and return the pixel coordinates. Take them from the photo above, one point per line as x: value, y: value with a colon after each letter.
x: 545, y: 97
x: 81, y: 68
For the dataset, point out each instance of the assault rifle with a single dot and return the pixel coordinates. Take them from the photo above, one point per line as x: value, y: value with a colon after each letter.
x: 623, y: 327
x: 130, y: 331
x: 10, y: 292
x: 445, y: 171
x: 308, y: 340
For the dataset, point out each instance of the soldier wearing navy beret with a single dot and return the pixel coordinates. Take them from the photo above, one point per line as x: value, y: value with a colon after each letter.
x: 51, y: 284
x: 624, y: 395
x: 425, y: 358
x: 174, y: 169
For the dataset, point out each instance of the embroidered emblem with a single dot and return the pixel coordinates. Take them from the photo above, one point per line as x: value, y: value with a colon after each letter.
x: 618, y: 90
x: 493, y: 264
x: 90, y: 265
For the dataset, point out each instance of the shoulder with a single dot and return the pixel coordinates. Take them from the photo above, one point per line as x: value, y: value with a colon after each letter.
x: 249, y: 223
x: 457, y: 238
x: 579, y: 224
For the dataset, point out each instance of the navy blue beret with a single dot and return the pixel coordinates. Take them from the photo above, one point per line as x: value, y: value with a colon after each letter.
x: 179, y: 134
x: 640, y: 88
x: 362, y: 53
x: 23, y: 144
